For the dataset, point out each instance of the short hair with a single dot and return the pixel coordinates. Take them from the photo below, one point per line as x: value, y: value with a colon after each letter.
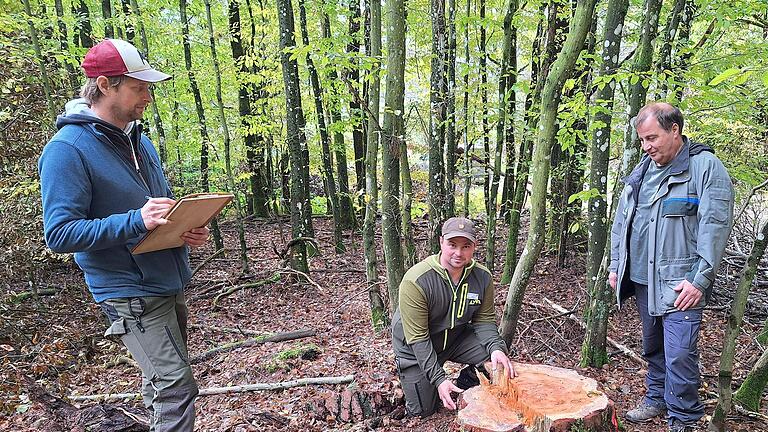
x: 666, y: 114
x: 91, y: 92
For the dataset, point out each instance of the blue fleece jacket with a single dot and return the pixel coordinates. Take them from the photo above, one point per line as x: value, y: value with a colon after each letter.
x: 93, y: 189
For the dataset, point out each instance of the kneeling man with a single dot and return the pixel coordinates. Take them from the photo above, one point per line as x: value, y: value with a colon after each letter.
x: 445, y: 312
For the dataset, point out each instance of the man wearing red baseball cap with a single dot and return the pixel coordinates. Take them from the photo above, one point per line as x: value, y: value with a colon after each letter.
x: 103, y: 189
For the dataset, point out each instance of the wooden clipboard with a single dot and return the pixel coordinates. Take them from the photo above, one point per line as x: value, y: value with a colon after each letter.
x: 191, y: 211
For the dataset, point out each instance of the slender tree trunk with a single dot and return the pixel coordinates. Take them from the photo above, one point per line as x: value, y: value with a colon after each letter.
x: 437, y: 113
x: 84, y: 36
x: 295, y: 138
x: 522, y: 164
x: 64, y: 47
x: 41, y: 62
x: 406, y: 197
x: 735, y: 320
x: 106, y: 12
x: 596, y: 313
x: 680, y: 63
x: 379, y: 316
x: 484, y: 111
x: 254, y: 141
x: 355, y: 112
x: 330, y: 183
x: 339, y: 146
x: 450, y: 127
x: 750, y: 393
x: 204, y: 181
x: 664, y: 62
x: 640, y: 82
x: 130, y: 31
x: 550, y: 100
x: 507, y: 79
x: 227, y: 145
x: 392, y: 135
x: 467, y: 161
x: 157, y: 123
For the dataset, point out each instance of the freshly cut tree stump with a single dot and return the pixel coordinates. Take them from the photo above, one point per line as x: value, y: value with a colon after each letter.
x: 540, y: 399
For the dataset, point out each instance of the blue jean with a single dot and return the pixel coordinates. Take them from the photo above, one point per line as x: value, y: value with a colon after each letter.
x: 670, y: 348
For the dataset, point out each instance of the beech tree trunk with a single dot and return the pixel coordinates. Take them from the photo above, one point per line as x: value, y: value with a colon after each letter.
x: 204, y: 138
x: 600, y: 295
x: 72, y: 75
x: 84, y: 36
x: 227, y: 144
x: 550, y: 101
x: 330, y: 183
x: 254, y: 141
x: 41, y: 62
x: 449, y: 208
x: 106, y: 13
x: 157, y: 123
x: 465, y: 110
x: 639, y: 83
x: 406, y: 197
x: 355, y: 112
x: 379, y: 317
x: 735, y: 320
x: 392, y: 135
x: 437, y: 113
x: 664, y: 61
x: 295, y: 138
x: 522, y: 164
x: 339, y: 147
x: 504, y: 126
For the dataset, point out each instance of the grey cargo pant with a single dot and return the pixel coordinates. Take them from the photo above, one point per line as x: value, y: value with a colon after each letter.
x: 670, y: 348
x: 421, y: 398
x: 154, y: 329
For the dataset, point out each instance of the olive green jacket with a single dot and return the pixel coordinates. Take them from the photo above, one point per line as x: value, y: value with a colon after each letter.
x: 433, y: 313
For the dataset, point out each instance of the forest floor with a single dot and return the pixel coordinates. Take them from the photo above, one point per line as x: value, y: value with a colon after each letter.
x: 65, y: 353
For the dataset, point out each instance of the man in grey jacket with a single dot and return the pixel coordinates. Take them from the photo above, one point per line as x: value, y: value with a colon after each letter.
x: 671, y: 228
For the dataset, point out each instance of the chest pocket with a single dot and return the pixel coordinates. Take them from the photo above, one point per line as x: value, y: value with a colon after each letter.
x: 679, y: 207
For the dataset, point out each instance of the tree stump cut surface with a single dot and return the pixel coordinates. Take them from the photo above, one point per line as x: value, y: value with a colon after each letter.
x: 541, y: 398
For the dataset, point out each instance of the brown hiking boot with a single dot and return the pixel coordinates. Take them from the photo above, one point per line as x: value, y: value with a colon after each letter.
x: 644, y: 413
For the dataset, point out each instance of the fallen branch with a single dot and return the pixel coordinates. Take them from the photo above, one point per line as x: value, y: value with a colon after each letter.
x: 270, y: 280
x: 207, y: 260
x: 232, y: 389
x: 305, y: 276
x: 239, y: 331
x: 280, y: 337
x: 20, y: 297
x: 623, y: 348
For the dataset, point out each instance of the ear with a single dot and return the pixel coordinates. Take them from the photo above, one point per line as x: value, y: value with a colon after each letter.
x: 675, y: 128
x: 102, y: 83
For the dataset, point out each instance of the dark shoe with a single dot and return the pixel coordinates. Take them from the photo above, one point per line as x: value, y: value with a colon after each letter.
x: 468, y: 377
x: 644, y: 413
x: 678, y: 426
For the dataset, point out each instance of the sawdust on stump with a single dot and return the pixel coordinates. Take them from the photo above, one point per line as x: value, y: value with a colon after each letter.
x: 541, y: 398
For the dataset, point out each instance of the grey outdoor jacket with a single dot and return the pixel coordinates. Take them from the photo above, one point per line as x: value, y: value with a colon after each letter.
x: 688, y: 227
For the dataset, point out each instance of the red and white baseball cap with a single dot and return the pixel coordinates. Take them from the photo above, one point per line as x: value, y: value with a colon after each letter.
x: 114, y: 57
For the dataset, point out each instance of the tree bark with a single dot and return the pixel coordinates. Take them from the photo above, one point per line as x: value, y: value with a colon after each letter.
x: 504, y: 126
x: 64, y: 47
x: 106, y: 13
x: 596, y: 313
x: 204, y: 167
x: 437, y: 113
x: 735, y: 320
x: 449, y: 203
x: 379, y: 317
x: 392, y: 135
x: 355, y: 112
x: 227, y: 144
x: 550, y: 100
x: 664, y: 62
x: 639, y: 83
x: 339, y: 146
x: 84, y: 37
x: 157, y: 123
x: 330, y: 183
x: 406, y: 197
x: 41, y: 62
x: 295, y: 138
x: 254, y: 141
x: 467, y: 162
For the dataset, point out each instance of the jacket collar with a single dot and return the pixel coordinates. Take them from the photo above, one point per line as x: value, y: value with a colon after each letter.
x: 679, y: 164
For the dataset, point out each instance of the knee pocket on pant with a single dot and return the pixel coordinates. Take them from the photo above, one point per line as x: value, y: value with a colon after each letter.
x: 157, y: 350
